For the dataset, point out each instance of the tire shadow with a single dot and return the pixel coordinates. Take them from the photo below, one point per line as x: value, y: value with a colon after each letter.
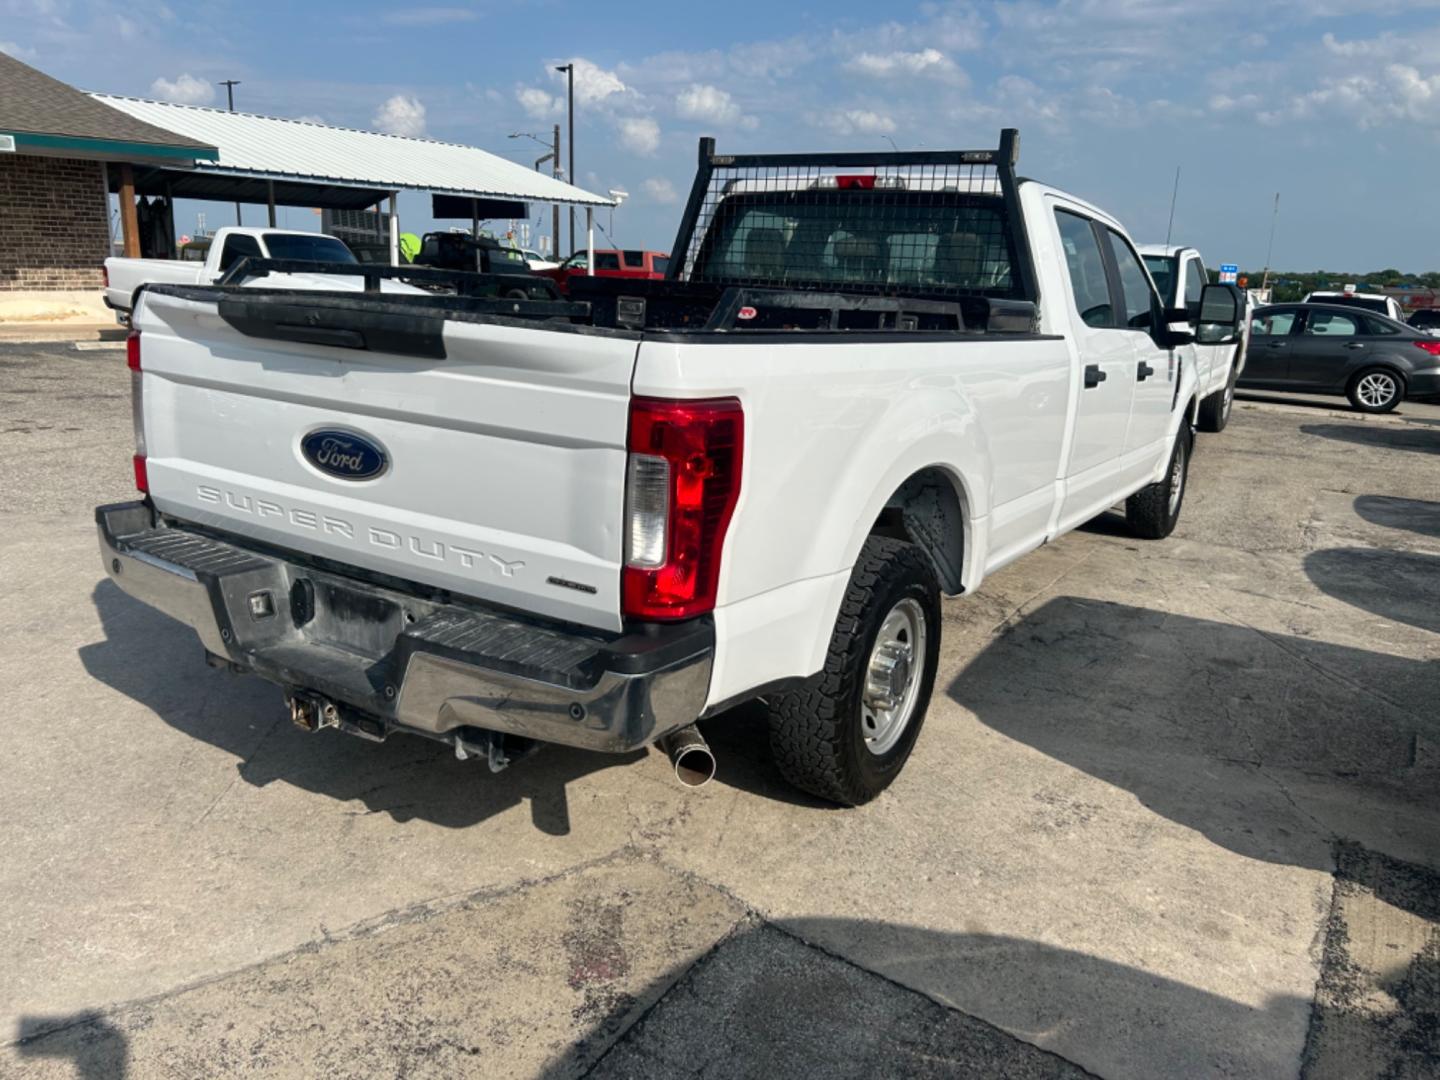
x: 1403, y: 586
x: 1392, y: 512
x: 1378, y: 436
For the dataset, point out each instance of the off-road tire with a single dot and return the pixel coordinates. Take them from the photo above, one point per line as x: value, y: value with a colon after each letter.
x: 815, y: 731
x: 1151, y: 513
x: 1359, y: 404
x: 1215, y: 409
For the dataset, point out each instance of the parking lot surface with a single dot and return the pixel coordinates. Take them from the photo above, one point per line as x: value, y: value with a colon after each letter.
x: 1175, y: 812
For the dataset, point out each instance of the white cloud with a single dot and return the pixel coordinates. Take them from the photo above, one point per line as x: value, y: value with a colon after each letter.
x: 184, y: 90
x: 925, y: 63
x: 640, y: 134
x: 401, y: 115
x: 858, y: 122
x: 1400, y: 94
x: 537, y: 103
x: 712, y: 105
x: 659, y: 190
x: 430, y: 16
x: 593, y: 84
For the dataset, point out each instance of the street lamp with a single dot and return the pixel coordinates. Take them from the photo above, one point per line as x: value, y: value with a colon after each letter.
x: 569, y: 71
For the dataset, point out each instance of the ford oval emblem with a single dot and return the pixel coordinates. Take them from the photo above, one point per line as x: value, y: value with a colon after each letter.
x: 344, y: 455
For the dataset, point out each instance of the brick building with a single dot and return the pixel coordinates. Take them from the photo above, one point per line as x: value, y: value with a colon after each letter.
x: 56, y: 145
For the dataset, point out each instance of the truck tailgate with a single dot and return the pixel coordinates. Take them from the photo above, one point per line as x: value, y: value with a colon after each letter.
x: 501, y: 471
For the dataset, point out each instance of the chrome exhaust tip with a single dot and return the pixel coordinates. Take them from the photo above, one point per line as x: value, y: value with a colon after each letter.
x: 690, y: 754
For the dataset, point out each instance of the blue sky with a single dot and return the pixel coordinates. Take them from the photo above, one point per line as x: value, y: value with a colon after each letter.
x: 1333, y: 103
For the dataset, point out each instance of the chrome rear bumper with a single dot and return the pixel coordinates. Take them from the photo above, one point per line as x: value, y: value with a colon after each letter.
x: 403, y: 659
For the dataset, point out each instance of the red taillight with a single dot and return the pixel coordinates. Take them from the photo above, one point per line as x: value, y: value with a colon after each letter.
x: 137, y: 407
x: 1432, y: 347
x: 682, y: 483
x: 105, y: 276
x: 864, y: 183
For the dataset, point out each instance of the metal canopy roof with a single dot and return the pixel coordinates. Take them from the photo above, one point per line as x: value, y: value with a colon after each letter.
x: 271, y: 148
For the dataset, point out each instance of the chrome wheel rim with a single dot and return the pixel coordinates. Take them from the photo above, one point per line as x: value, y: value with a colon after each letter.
x: 893, y: 677
x: 1376, y: 389
x: 1177, y: 476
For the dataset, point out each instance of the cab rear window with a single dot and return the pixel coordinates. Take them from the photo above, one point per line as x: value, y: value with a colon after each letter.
x: 929, y: 241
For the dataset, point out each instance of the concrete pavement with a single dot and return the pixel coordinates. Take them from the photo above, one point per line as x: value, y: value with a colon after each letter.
x: 1114, y: 849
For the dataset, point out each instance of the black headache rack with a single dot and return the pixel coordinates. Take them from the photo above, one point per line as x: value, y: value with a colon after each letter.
x: 942, y: 225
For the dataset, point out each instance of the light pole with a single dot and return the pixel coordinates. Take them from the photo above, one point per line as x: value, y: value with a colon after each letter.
x: 569, y: 70
x: 229, y: 85
x: 554, y: 158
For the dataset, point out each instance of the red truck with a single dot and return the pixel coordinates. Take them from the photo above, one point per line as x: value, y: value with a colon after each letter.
x: 611, y: 263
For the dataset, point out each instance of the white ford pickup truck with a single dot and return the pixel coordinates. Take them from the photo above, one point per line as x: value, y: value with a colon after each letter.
x: 1179, y: 273
x: 867, y: 381
x: 123, y: 277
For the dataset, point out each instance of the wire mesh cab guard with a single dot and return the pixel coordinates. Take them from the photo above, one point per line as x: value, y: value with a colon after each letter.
x: 936, y: 224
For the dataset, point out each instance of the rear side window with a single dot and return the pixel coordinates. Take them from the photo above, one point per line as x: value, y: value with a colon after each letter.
x: 1380, y: 328
x: 634, y: 260
x: 607, y: 260
x: 237, y: 246
x: 1272, y: 324
x: 662, y: 264
x: 1332, y: 324
x: 1134, y: 285
x: 1088, y: 285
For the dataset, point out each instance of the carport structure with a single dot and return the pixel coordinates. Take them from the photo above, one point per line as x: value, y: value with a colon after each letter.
x: 279, y: 162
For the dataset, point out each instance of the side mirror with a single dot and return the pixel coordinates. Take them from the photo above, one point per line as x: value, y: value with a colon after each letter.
x: 1222, y: 308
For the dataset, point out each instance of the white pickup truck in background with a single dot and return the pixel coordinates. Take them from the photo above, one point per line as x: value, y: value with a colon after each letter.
x: 868, y: 380
x: 1180, y: 275
x: 123, y: 277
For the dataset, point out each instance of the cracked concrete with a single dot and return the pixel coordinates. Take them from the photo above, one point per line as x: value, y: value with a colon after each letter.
x: 1112, y: 851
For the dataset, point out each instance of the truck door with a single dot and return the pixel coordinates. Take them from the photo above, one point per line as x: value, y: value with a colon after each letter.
x: 1106, y: 361
x: 1153, y: 368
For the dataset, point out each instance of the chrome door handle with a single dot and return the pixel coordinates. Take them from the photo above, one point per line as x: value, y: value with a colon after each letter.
x: 1354, y: 345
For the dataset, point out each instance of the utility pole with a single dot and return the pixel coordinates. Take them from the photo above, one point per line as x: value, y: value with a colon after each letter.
x: 569, y: 70
x: 229, y: 85
x: 555, y: 207
x: 554, y: 158
x: 1270, y: 247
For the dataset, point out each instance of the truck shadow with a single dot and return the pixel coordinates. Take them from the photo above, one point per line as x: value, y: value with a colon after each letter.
x: 780, y: 1001
x: 159, y: 663
x: 1267, y: 744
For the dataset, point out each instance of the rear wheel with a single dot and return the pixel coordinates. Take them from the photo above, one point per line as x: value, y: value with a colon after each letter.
x: 1153, y: 510
x: 846, y: 732
x: 1376, y: 390
x: 1215, y: 410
